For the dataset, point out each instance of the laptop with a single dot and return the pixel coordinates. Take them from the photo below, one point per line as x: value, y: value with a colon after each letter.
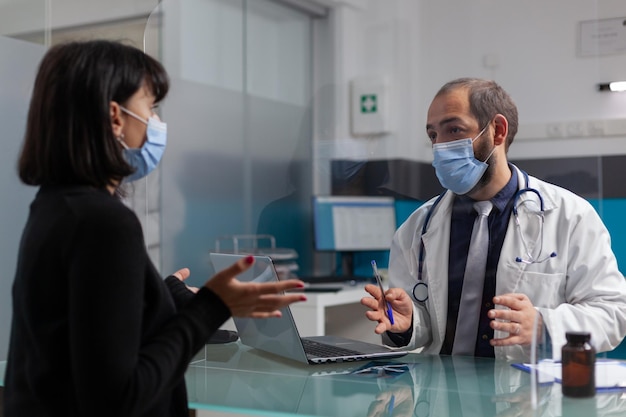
x: 280, y: 336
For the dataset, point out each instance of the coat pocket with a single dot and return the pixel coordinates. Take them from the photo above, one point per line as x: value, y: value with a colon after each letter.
x: 543, y: 290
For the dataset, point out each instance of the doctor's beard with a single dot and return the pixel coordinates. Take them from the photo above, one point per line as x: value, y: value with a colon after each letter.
x: 482, y: 153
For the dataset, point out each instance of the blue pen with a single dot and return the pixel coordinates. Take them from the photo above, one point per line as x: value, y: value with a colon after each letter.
x: 382, y: 291
x: 391, y: 405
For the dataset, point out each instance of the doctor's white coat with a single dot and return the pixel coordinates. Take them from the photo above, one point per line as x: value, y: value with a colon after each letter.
x: 580, y: 289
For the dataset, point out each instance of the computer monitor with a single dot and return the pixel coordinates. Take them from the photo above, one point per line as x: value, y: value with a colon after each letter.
x: 353, y: 223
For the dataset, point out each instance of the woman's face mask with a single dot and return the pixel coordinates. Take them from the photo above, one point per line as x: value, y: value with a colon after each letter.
x: 146, y: 158
x: 455, y: 165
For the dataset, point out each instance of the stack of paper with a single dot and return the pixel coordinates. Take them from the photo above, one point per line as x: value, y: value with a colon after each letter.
x: 610, y: 374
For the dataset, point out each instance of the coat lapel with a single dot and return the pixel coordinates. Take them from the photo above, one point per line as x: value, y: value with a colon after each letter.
x: 436, y: 246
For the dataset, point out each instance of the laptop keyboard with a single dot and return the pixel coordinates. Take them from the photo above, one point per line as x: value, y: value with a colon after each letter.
x: 323, y: 350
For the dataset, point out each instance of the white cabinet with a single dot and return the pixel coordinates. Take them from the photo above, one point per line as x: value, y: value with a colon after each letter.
x: 335, y: 313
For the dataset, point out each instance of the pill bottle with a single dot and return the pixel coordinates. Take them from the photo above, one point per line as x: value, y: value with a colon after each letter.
x: 578, y: 361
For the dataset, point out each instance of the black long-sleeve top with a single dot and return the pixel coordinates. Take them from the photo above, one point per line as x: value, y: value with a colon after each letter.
x: 95, y: 330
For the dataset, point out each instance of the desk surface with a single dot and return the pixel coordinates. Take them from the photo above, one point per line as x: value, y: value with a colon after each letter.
x: 234, y: 378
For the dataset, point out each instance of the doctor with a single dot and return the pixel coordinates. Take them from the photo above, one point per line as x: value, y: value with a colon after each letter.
x: 556, y: 268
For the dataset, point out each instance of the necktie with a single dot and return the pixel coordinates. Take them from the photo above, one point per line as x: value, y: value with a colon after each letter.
x: 473, y: 281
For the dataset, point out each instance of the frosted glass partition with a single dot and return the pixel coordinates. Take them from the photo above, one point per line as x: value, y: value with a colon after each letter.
x: 238, y: 129
x: 16, y: 78
x: 24, y: 19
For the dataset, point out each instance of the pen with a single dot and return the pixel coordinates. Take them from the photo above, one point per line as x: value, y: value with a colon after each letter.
x: 390, y: 405
x: 382, y: 291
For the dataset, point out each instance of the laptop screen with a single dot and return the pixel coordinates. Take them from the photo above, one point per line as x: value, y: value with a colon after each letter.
x: 276, y: 335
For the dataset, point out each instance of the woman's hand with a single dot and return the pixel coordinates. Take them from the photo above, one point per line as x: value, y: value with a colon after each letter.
x: 252, y: 299
x: 400, y: 303
x: 183, y: 274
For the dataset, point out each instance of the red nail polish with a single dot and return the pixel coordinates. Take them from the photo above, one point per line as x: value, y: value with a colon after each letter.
x: 249, y: 259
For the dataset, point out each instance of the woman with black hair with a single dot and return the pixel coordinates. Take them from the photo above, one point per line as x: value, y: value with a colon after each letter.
x: 96, y: 331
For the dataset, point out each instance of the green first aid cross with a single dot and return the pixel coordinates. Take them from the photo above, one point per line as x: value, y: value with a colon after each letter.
x: 369, y: 103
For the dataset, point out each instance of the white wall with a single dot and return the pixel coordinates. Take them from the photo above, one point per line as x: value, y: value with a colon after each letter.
x: 370, y: 38
x: 420, y: 45
x: 423, y: 44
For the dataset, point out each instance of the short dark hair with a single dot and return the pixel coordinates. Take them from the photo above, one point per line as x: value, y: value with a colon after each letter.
x: 486, y: 99
x: 69, y: 137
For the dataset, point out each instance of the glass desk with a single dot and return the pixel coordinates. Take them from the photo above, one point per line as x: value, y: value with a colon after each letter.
x: 235, y: 378
x: 231, y: 378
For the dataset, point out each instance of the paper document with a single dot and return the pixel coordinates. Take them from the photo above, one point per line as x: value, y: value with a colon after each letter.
x: 610, y: 374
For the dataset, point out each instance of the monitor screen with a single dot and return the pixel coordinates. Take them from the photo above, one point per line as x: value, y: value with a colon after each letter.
x: 353, y: 223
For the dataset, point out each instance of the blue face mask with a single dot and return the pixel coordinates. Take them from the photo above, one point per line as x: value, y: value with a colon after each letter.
x: 146, y: 158
x: 455, y: 165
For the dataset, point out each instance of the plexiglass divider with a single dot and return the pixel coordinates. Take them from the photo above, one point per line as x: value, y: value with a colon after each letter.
x: 239, y: 127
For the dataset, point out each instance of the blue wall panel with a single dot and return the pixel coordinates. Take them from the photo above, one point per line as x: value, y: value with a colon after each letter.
x: 612, y: 212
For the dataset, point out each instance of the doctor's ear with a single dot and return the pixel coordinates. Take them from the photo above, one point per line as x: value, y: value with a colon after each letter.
x: 117, y: 121
x: 501, y: 129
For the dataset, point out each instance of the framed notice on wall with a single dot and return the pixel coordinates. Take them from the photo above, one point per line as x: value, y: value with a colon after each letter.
x: 602, y: 37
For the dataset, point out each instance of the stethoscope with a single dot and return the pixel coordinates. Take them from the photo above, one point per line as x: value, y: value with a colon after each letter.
x: 420, y: 290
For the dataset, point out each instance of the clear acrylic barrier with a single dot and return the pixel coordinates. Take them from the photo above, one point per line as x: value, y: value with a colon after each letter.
x: 239, y: 122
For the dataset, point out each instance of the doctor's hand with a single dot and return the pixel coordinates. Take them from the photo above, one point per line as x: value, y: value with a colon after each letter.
x: 252, y: 299
x: 394, y: 401
x: 400, y: 303
x: 517, y: 320
x: 519, y: 401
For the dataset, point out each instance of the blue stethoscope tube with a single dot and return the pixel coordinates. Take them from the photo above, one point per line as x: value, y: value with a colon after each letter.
x: 420, y: 290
